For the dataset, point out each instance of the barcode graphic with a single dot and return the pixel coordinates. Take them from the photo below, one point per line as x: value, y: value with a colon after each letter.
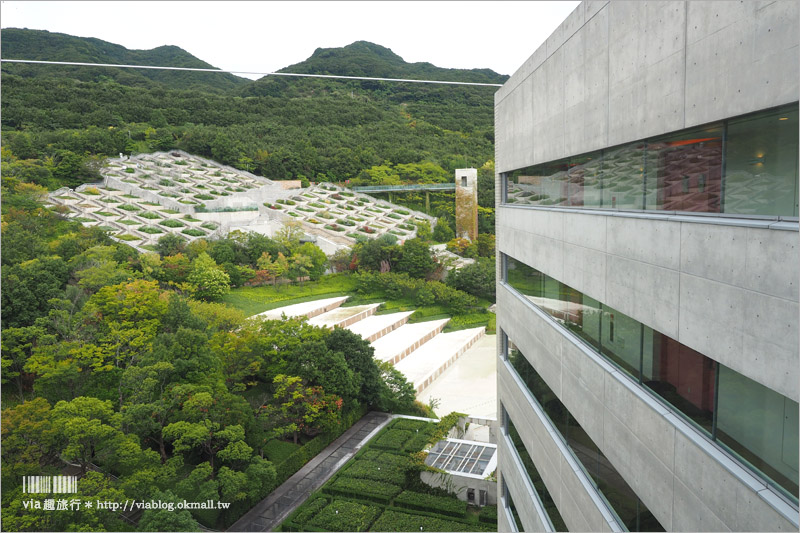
x: 49, y: 484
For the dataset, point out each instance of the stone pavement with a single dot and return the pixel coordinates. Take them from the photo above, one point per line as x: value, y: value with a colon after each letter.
x: 273, y: 509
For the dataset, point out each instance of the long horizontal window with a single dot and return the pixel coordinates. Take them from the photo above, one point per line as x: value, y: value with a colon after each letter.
x: 512, y: 508
x: 747, y: 166
x: 534, y: 477
x: 751, y: 420
x: 630, y: 510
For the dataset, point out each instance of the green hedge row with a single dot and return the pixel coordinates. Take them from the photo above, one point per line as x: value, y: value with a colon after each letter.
x: 399, y: 521
x: 369, y: 455
x: 426, y: 502
x: 393, y: 439
x: 363, y: 489
x: 398, y: 462
x: 410, y: 425
x: 400, y: 285
x: 343, y: 515
x: 311, y: 449
x: 374, y: 471
x: 488, y: 514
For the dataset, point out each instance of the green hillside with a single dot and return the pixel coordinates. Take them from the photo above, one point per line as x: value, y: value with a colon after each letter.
x: 43, y: 45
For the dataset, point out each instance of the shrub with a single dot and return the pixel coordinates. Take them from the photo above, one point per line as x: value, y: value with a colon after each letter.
x: 488, y: 514
x: 308, y: 510
x: 208, y: 225
x: 398, y: 521
x: 170, y: 211
x: 128, y: 237
x: 91, y: 190
x: 150, y: 215
x: 129, y: 207
x: 172, y: 223
x: 427, y: 502
x: 410, y: 424
x: 130, y: 170
x: 150, y: 229
x: 342, y: 515
x: 364, y: 489
x: 190, y: 218
x: 393, y: 439
x: 128, y: 222
x: 204, y: 196
x: 193, y: 232
x: 104, y: 213
x: 374, y: 471
x: 166, y: 183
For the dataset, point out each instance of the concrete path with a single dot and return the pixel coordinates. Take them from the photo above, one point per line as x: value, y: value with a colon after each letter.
x: 272, y: 510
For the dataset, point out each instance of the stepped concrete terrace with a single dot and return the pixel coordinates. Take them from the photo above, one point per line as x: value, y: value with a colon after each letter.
x: 396, y: 345
x: 306, y: 309
x: 146, y: 196
x: 344, y: 316
x: 376, y: 326
x: 420, y: 350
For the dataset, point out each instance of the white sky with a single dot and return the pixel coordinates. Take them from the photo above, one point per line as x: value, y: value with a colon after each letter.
x: 267, y: 36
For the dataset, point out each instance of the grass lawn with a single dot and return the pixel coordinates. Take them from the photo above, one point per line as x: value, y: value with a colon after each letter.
x: 278, y: 450
x: 254, y: 300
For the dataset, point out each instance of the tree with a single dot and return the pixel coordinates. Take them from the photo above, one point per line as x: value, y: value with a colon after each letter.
x: 170, y: 244
x: 165, y: 519
x: 415, y: 259
x: 397, y: 394
x: 210, y: 439
x: 299, y: 408
x: 317, y: 365
x: 289, y: 235
x: 29, y: 440
x: 359, y: 355
x: 299, y: 267
x: 318, y: 259
x: 443, y: 232
x: 208, y: 280
x: 477, y: 279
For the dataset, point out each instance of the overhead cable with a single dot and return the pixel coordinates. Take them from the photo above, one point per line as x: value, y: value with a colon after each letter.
x: 188, y: 69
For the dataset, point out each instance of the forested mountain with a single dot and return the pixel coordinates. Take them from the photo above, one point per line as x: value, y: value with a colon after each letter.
x: 43, y: 45
x: 64, y: 120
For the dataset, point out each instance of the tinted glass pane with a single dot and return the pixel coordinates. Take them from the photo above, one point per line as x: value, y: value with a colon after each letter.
x: 760, y: 425
x: 630, y: 510
x: 684, y: 171
x: 536, y: 480
x: 621, y: 340
x: 623, y: 177
x: 513, y: 509
x: 761, y: 164
x: 682, y: 376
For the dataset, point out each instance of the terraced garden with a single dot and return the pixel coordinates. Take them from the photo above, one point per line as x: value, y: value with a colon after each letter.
x: 150, y: 195
x: 379, y: 490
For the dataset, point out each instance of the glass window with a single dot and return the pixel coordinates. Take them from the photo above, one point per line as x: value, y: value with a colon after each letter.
x: 683, y: 377
x: 513, y: 508
x: 622, y: 499
x: 623, y: 176
x: 535, y: 479
x: 761, y: 163
x: 684, y: 171
x: 760, y: 425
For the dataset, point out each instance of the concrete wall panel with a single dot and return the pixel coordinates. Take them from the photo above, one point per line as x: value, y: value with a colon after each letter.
x: 655, y: 242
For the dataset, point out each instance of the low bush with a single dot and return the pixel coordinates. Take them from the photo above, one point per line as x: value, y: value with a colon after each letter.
x: 364, y: 489
x: 193, y: 232
x: 172, y: 223
x: 409, y: 424
x: 308, y: 510
x: 426, y: 502
x: 128, y: 222
x: 204, y: 196
x: 374, y: 471
x: 488, y: 514
x: 104, y: 213
x: 129, y: 207
x: 393, y: 439
x: 150, y: 215
x: 398, y: 521
x: 150, y: 229
x: 342, y: 515
x: 128, y: 237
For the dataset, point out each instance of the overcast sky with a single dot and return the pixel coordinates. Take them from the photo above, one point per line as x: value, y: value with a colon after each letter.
x: 267, y: 36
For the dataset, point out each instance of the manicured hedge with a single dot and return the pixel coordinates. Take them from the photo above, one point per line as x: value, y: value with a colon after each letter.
x: 410, y: 424
x: 374, y: 471
x: 398, y: 462
x: 392, y: 439
x: 426, y: 502
x: 309, y: 510
x: 343, y: 515
x: 399, y: 521
x: 370, y: 455
x: 363, y: 489
x: 488, y: 514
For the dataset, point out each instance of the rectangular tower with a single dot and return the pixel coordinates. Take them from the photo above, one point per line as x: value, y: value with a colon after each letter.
x: 467, y: 203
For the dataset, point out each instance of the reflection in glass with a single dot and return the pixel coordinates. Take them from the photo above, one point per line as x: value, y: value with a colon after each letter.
x: 535, y: 479
x: 760, y: 425
x: 622, y: 499
x: 683, y: 377
x: 747, y: 165
x: 513, y: 509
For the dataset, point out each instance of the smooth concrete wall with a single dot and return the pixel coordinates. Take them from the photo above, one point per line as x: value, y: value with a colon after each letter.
x: 615, y: 72
x: 684, y: 479
x: 729, y: 292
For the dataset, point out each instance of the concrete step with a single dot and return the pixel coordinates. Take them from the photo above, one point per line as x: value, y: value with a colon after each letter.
x: 374, y: 327
x: 344, y: 316
x: 396, y: 345
x: 309, y: 309
x: 424, y: 365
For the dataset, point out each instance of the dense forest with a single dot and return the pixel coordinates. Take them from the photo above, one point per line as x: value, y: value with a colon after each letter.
x: 123, y: 367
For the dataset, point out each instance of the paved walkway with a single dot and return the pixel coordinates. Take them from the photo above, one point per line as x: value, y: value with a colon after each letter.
x: 272, y: 510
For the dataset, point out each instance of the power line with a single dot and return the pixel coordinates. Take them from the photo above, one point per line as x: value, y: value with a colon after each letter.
x: 329, y: 76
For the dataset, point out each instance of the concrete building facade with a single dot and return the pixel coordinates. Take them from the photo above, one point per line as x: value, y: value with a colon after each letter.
x: 647, y: 237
